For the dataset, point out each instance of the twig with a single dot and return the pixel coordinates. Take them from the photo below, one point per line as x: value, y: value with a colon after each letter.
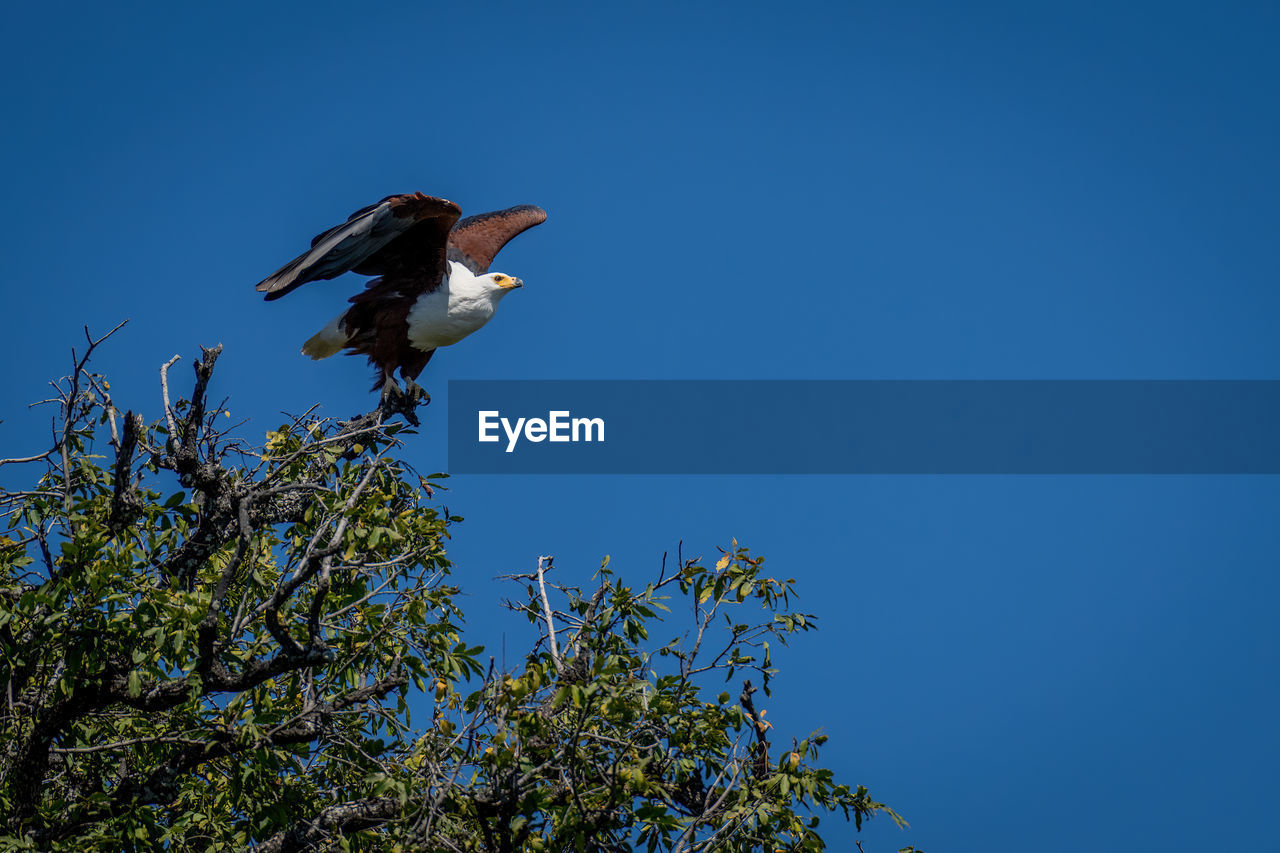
x: 543, y: 564
x: 24, y: 459
x: 168, y: 408
x: 80, y: 750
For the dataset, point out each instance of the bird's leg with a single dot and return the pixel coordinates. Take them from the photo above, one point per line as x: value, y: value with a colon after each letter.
x: 390, y: 389
x: 396, y: 401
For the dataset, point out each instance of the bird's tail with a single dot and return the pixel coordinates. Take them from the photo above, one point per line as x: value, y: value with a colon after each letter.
x: 328, y: 341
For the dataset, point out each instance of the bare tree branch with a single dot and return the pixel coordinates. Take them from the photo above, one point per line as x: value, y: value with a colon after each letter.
x: 543, y: 564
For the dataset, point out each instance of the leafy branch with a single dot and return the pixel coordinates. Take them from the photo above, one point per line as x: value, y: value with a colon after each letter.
x: 212, y: 643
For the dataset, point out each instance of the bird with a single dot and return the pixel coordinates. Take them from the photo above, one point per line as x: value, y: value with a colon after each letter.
x: 432, y: 284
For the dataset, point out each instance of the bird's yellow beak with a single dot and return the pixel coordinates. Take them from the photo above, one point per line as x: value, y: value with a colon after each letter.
x: 509, y: 283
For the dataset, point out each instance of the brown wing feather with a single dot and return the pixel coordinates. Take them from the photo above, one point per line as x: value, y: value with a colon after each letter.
x: 403, y: 236
x: 477, y: 239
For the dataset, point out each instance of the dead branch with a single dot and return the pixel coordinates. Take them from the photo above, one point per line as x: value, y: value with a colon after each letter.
x: 544, y: 563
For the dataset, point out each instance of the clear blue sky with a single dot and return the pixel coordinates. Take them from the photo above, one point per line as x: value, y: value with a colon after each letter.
x: 795, y: 190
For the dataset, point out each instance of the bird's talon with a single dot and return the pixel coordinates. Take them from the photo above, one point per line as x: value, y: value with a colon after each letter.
x: 415, y: 393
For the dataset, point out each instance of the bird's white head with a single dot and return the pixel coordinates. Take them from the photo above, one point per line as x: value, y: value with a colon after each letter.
x: 499, y: 284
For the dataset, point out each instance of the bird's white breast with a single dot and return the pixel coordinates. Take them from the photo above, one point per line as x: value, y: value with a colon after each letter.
x: 448, y: 314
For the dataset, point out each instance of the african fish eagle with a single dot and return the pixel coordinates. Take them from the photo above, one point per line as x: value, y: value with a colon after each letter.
x: 433, y: 285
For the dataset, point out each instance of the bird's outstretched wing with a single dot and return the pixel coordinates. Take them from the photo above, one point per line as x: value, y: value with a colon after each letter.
x: 477, y: 239
x: 402, y: 235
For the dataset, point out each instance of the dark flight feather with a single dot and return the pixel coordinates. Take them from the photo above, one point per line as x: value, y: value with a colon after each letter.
x: 402, y: 234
